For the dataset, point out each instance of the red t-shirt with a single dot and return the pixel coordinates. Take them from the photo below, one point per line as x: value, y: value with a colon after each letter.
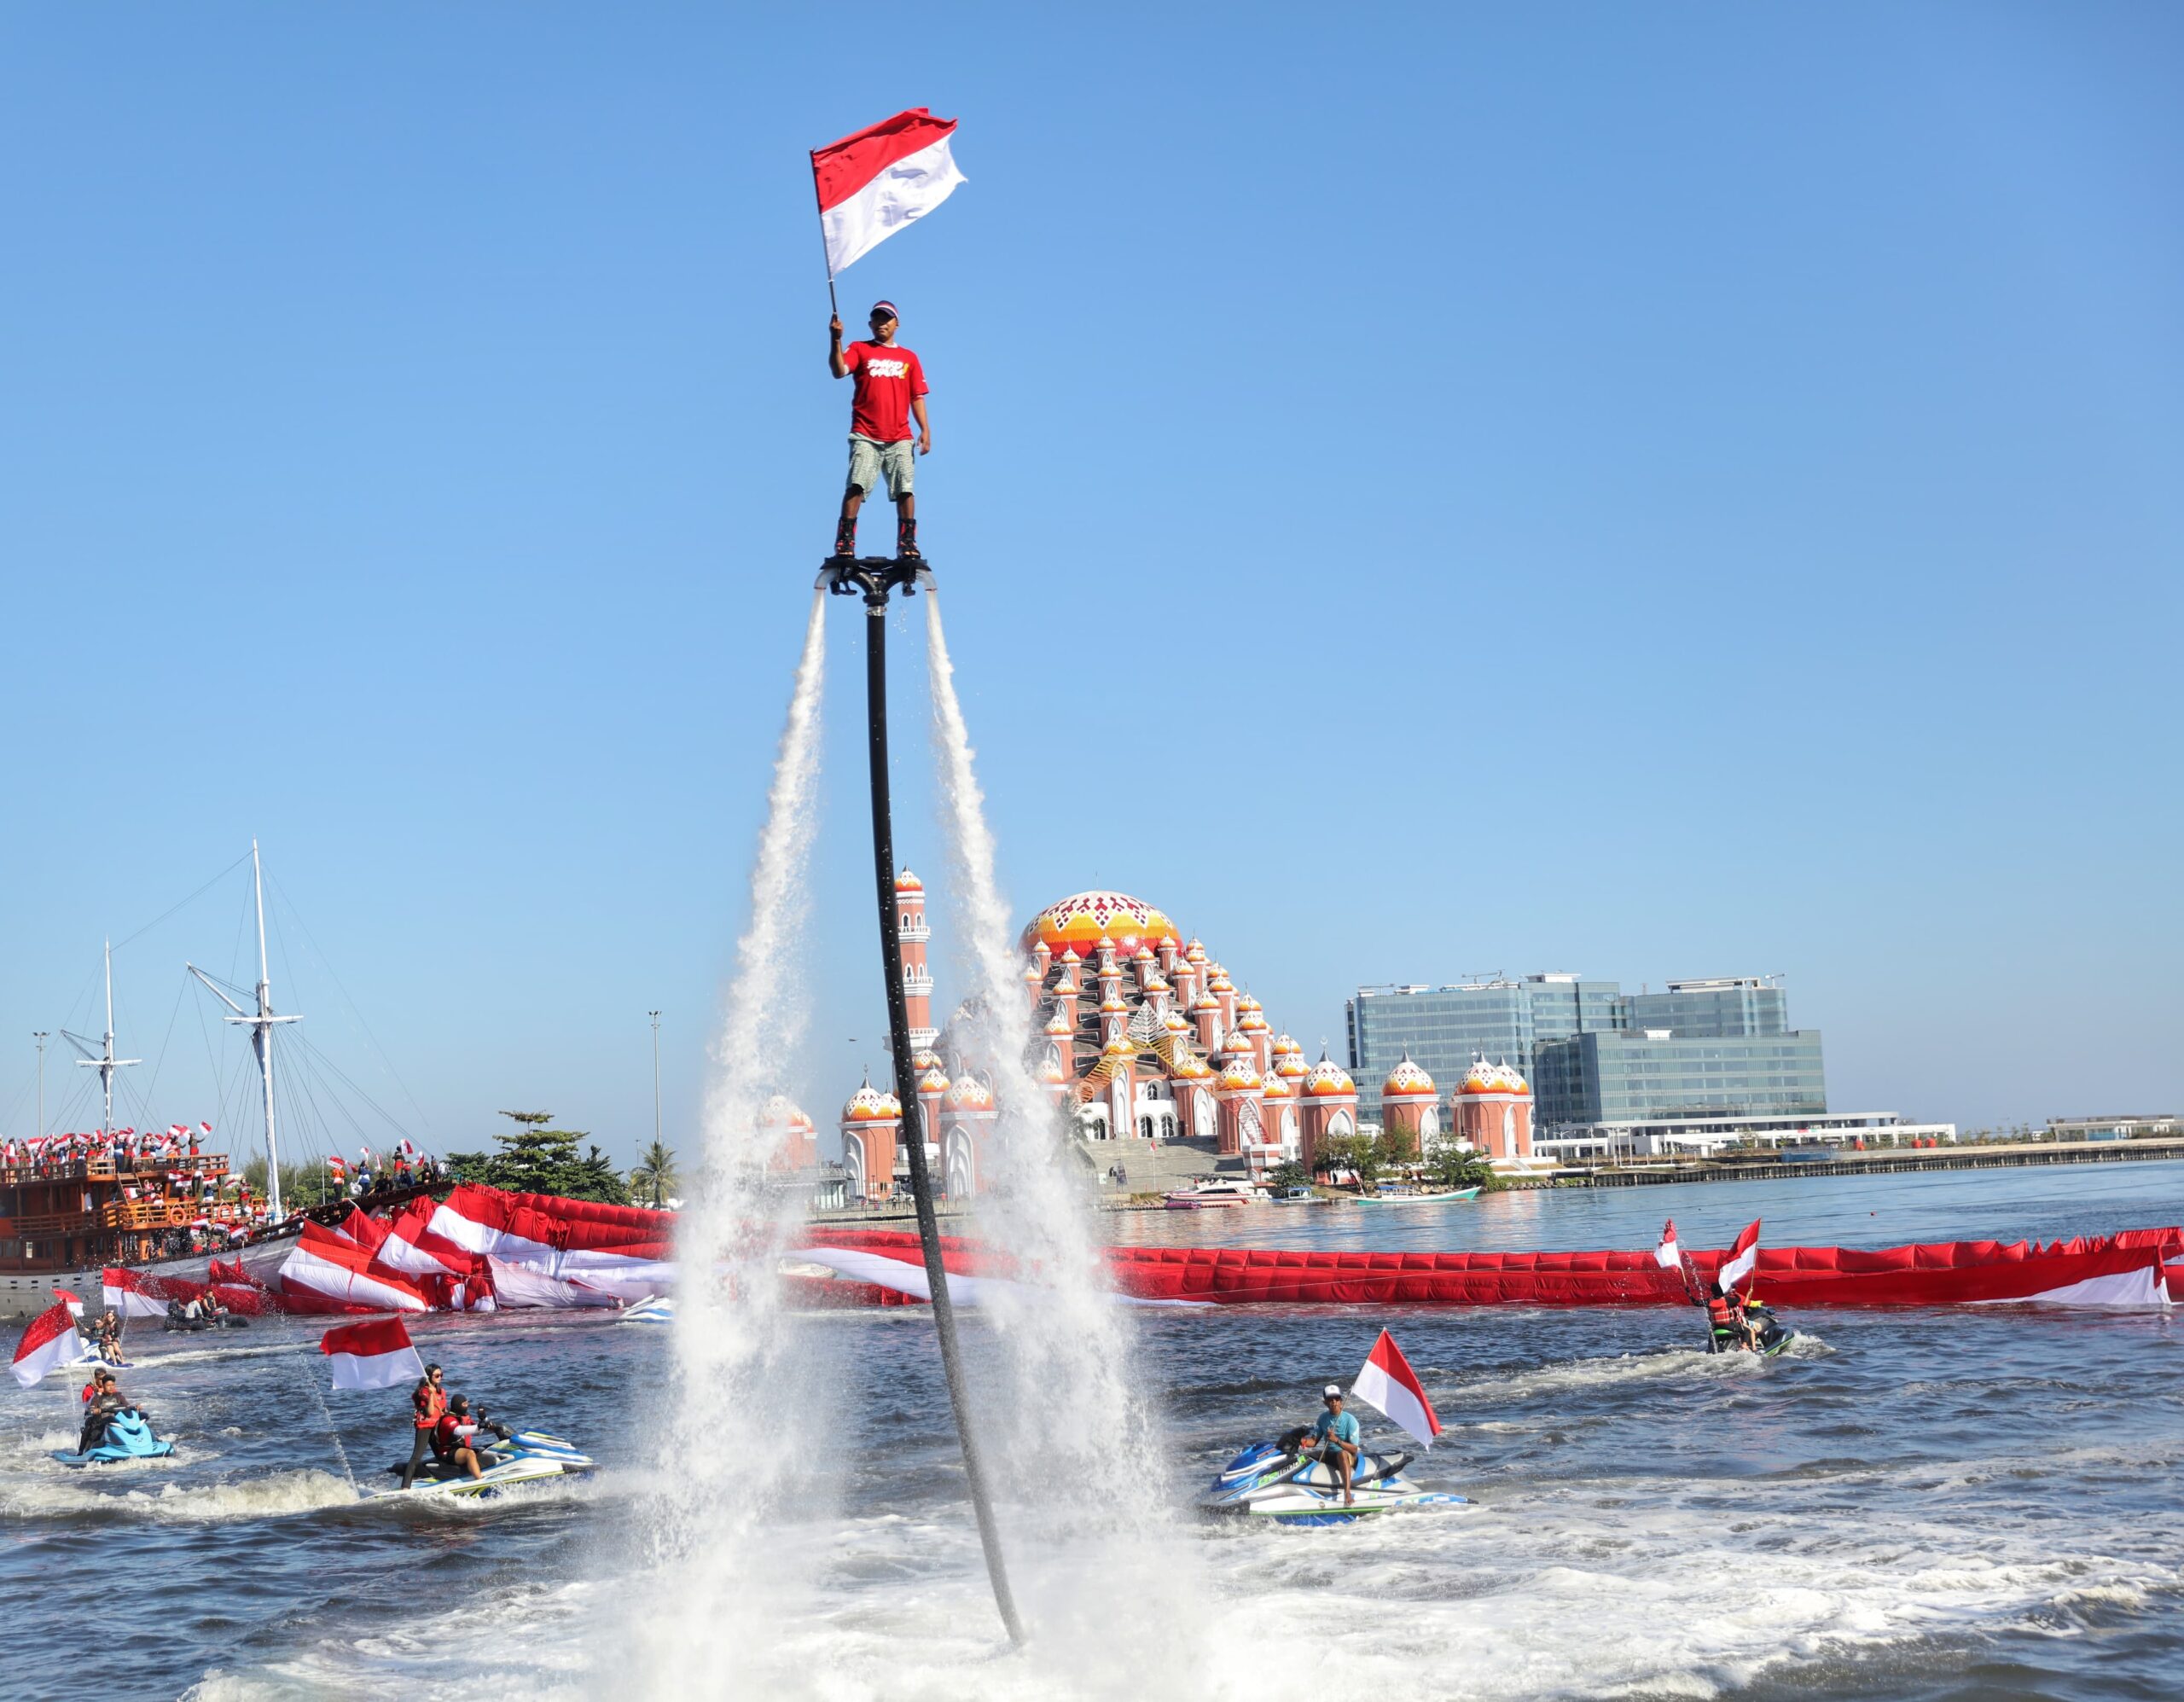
x: 887, y: 376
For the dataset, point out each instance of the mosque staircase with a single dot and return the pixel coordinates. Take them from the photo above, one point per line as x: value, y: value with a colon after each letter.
x: 1162, y: 1167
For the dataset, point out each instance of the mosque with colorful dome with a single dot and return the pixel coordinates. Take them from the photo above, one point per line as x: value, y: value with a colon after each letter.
x: 1134, y: 1033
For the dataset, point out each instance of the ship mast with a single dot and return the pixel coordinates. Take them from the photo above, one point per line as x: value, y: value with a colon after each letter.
x: 261, y: 1035
x: 105, y: 1063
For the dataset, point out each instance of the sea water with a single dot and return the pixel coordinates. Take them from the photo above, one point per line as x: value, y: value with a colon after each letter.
x: 1954, y: 1502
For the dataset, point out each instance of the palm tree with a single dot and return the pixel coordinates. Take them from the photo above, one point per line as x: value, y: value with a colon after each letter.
x: 655, y: 1175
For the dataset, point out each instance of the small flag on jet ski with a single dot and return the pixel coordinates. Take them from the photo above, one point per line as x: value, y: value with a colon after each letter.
x: 1668, y: 1255
x: 374, y: 1356
x: 1743, y: 1259
x: 71, y: 1300
x: 1387, y: 1382
x: 49, y: 1340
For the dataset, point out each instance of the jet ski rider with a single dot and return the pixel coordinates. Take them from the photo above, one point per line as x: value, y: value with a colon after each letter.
x: 429, y: 1399
x: 1334, y: 1441
x: 1725, y: 1316
x: 452, y: 1435
x: 107, y: 1402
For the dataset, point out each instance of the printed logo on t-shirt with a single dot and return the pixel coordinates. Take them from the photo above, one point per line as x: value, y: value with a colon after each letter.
x: 887, y: 368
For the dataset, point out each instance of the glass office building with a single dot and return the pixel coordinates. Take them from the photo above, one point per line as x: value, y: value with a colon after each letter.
x: 1442, y: 1029
x: 1595, y: 1053
x: 1648, y: 1075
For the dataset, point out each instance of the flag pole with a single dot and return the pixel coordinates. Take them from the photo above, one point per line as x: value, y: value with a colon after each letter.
x: 833, y: 305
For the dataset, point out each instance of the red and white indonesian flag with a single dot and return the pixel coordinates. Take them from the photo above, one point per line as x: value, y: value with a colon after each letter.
x: 1668, y: 1255
x: 1743, y: 1259
x: 49, y: 1341
x: 132, y: 1294
x: 1387, y: 1382
x: 374, y: 1356
x: 71, y: 1300
x: 872, y: 183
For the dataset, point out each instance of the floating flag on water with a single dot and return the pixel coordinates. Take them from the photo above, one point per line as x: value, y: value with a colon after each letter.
x: 49, y: 1340
x: 872, y: 183
x: 374, y: 1356
x: 1387, y: 1382
x: 1743, y: 1259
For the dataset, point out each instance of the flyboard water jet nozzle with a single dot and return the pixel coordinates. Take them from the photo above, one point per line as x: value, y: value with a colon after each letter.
x: 874, y: 578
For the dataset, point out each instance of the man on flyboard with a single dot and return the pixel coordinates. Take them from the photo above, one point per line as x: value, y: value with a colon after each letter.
x: 891, y: 389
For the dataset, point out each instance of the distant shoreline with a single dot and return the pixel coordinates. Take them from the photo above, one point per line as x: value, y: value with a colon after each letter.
x: 2013, y: 1155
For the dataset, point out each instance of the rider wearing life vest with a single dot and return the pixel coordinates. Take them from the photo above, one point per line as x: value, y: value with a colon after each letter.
x: 429, y: 1399
x: 453, y: 1435
x: 1725, y: 1318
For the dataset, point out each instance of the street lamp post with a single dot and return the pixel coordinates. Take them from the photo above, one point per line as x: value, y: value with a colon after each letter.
x: 654, y: 1015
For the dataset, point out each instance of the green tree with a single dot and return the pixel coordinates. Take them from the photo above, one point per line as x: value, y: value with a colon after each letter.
x: 655, y: 1178
x: 300, y: 1184
x: 537, y: 1159
x: 1450, y: 1167
x: 1290, y: 1175
x: 1359, y: 1152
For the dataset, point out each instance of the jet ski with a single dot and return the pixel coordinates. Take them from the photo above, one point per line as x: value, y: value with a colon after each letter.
x: 522, y: 1456
x: 653, y: 1308
x: 1268, y: 1481
x: 128, y: 1437
x: 1774, y: 1334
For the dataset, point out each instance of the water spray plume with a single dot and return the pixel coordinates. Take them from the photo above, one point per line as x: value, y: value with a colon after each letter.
x: 732, y: 1334
x: 1075, y: 1419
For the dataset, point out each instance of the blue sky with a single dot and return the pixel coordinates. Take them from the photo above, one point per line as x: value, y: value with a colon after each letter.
x: 1419, y: 491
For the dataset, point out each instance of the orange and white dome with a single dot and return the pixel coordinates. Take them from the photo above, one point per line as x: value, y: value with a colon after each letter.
x: 1206, y: 1001
x: 1328, y: 1079
x: 1251, y: 1022
x: 1237, y: 1040
x: 1195, y: 952
x: 1277, y: 1089
x: 1057, y: 1024
x: 1217, y: 981
x: 868, y: 1105
x: 1286, y: 1046
x: 1175, y: 1023
x: 1291, y: 1065
x: 1240, y: 1076
x: 1191, y: 1068
x: 1493, y: 1078
x: 1079, y: 921
x: 1248, y: 1003
x: 1120, y: 1047
x: 1407, y: 1078
x: 934, y: 1080
x: 968, y: 1092
x: 908, y: 882
x: 1053, y: 1074
x: 780, y: 1112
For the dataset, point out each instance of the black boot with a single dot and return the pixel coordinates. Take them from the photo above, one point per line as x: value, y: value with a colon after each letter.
x: 906, y: 541
x: 845, y: 536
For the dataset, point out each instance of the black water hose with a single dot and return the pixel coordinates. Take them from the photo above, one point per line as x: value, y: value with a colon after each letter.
x: 875, y: 578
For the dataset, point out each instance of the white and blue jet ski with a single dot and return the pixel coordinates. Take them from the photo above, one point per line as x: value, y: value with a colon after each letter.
x: 1268, y: 1481
x: 523, y: 1456
x: 127, y: 1435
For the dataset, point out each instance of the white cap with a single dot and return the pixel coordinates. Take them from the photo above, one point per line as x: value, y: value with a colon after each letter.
x: 1334, y: 1389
